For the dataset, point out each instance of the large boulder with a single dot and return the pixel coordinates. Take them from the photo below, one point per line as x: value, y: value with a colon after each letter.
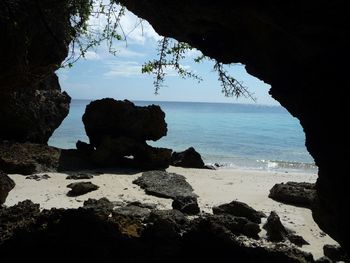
x: 6, y: 185
x: 298, y: 49
x: 189, y: 158
x: 118, y: 131
x: 112, y: 118
x: 240, y: 209
x: 293, y: 193
x: 164, y: 184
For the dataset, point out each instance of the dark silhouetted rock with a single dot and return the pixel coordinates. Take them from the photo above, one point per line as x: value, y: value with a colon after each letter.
x: 119, y: 130
x: 133, y: 211
x: 276, y: 232
x: 166, y: 225
x: 6, y: 185
x: 75, y: 160
x: 38, y: 177
x: 113, y: 118
x: 79, y: 176
x: 32, y: 105
x: 84, y: 147
x: 323, y: 260
x: 189, y: 158
x: 164, y: 184
x: 186, y: 204
x: 28, y: 158
x: 297, y: 240
x: 300, y: 194
x: 163, y: 236
x: 335, y: 253
x: 237, y: 225
x: 81, y: 188
x: 240, y: 209
x: 37, y: 111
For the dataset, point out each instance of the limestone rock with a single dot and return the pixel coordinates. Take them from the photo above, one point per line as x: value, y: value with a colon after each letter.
x: 28, y: 158
x: 189, y: 158
x: 164, y: 184
x: 186, y: 204
x: 81, y: 188
x: 6, y: 185
x: 240, y: 209
x: 276, y: 232
x: 300, y: 194
x: 112, y: 118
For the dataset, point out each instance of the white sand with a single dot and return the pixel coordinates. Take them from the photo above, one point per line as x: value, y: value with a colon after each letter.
x: 213, y: 187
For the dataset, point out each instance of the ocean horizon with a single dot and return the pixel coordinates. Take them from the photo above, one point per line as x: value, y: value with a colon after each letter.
x: 235, y: 136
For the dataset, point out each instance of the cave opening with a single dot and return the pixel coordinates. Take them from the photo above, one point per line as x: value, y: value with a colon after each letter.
x: 290, y: 54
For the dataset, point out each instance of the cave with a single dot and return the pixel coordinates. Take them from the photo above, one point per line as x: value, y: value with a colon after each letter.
x: 298, y: 47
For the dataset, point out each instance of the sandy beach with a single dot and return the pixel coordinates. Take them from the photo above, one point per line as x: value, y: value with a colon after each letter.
x: 214, y: 187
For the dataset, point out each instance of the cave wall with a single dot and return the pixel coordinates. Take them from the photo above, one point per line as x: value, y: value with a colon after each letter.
x: 35, y: 36
x: 300, y: 48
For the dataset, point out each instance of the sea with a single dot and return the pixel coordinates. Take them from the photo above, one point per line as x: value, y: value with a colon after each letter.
x: 228, y: 135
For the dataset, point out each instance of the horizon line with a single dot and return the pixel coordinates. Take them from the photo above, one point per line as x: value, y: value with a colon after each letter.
x: 208, y: 102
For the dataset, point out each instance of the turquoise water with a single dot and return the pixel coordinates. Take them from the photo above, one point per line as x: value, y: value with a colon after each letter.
x: 233, y: 135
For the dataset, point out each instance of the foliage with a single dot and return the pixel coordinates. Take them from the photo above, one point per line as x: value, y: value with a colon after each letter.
x: 171, y: 53
x: 87, y: 35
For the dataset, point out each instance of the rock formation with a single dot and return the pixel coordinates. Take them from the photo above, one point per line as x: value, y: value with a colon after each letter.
x: 276, y: 232
x: 189, y: 158
x: 6, y: 185
x: 240, y: 209
x: 119, y: 130
x: 28, y: 158
x: 34, y: 41
x: 99, y: 233
x: 299, y: 48
x: 81, y: 188
x: 170, y: 185
x: 299, y: 194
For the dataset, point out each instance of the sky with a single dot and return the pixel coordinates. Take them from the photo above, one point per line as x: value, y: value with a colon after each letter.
x: 101, y: 74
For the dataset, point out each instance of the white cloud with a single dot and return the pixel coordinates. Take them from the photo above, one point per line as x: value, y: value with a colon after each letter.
x: 124, y: 69
x: 135, y: 30
x: 92, y: 55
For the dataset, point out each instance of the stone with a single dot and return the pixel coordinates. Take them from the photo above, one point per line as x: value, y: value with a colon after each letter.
x: 189, y: 158
x: 276, y: 232
x: 79, y: 176
x: 30, y: 92
x: 28, y: 158
x: 335, y: 253
x: 323, y: 260
x: 119, y: 130
x: 237, y: 225
x: 6, y: 185
x: 164, y: 184
x: 133, y: 211
x: 81, y: 188
x: 240, y: 209
x: 165, y: 236
x: 291, y: 52
x: 299, y: 194
x: 113, y: 118
x: 186, y: 204
x: 38, y: 177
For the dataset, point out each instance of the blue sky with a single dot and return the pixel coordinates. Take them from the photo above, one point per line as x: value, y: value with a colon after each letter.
x: 102, y: 75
